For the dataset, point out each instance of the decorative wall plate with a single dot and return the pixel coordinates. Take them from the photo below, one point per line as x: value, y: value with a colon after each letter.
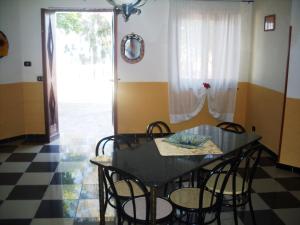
x: 132, y: 48
x: 3, y: 45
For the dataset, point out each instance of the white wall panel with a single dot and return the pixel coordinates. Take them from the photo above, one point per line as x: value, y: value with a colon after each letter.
x: 21, y: 20
x: 10, y: 66
x: 294, y: 75
x: 152, y: 25
x: 270, y: 48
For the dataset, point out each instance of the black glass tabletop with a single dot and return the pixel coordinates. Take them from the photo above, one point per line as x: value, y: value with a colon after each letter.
x: 145, y: 162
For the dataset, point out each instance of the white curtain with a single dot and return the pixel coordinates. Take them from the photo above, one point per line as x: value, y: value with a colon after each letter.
x: 204, y: 47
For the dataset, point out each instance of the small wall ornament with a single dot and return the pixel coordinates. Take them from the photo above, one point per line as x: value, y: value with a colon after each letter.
x: 270, y: 23
x: 3, y: 45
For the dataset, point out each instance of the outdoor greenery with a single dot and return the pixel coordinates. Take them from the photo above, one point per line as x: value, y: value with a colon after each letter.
x: 92, y: 27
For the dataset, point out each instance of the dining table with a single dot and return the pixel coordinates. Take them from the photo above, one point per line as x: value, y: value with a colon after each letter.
x: 145, y: 162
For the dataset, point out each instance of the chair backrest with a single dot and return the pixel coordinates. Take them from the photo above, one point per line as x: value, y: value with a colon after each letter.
x: 158, y: 128
x: 232, y: 127
x: 117, y: 140
x: 110, y: 174
x: 217, y: 178
x: 247, y: 166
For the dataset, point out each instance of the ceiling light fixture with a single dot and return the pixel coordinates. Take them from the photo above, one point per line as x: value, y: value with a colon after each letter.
x: 127, y: 7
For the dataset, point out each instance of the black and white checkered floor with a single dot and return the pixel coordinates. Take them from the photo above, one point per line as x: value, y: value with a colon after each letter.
x: 56, y: 185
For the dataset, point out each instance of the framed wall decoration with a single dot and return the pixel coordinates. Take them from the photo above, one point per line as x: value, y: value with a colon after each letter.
x: 270, y: 22
x: 132, y: 48
x: 3, y: 45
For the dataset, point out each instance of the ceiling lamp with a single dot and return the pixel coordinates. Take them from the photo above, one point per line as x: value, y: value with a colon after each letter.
x: 127, y: 7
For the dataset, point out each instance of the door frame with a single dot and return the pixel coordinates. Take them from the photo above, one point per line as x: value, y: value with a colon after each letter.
x: 47, y: 136
x: 115, y: 68
x: 285, y: 90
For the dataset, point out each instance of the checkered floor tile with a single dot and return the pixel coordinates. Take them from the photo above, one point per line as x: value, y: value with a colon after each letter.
x: 55, y: 184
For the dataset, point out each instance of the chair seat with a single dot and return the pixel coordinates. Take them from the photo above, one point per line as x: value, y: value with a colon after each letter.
x: 228, y: 188
x: 123, y: 190
x: 189, y: 198
x: 163, y: 208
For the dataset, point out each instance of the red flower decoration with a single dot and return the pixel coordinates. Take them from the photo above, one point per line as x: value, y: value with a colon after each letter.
x: 206, y: 85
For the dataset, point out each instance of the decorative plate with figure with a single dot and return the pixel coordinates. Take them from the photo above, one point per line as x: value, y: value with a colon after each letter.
x: 3, y: 45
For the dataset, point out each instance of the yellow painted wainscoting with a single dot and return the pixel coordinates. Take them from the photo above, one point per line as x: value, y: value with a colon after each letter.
x: 11, y: 110
x: 264, y: 111
x: 290, y: 148
x: 33, y: 98
x: 21, y: 109
x: 140, y: 103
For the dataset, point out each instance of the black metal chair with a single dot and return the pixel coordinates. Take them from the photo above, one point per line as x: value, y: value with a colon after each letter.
x: 119, y: 142
x: 194, y: 203
x: 157, y: 129
x: 237, y: 192
x: 161, y: 129
x: 232, y: 127
x: 136, y: 209
x: 227, y: 126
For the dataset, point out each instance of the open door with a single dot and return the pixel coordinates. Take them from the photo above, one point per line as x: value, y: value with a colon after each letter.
x: 49, y: 74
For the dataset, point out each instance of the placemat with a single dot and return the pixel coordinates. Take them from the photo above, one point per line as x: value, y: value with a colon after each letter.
x: 167, y: 149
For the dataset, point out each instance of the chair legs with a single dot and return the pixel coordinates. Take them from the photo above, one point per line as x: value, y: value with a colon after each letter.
x: 218, y: 219
x: 188, y: 218
x: 193, y: 218
x: 120, y: 221
x: 105, y: 206
x: 251, y: 210
x: 166, y: 189
x: 234, y: 209
x: 201, y: 219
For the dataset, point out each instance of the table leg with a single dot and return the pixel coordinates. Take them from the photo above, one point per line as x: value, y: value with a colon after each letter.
x: 101, y: 195
x: 153, y: 194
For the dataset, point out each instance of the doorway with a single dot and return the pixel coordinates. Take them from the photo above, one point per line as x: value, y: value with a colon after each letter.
x: 83, y: 81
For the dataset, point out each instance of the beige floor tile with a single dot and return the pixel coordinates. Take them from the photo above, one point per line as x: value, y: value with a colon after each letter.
x: 289, y: 216
x: 55, y: 221
x: 278, y: 173
x: 4, y: 156
x: 70, y: 166
x: 90, y: 208
x: 5, y: 190
x: 58, y: 192
x: 296, y: 194
x: 47, y: 157
x: 28, y: 149
x: 267, y: 185
x: 35, y: 179
x: 18, y: 209
x: 14, y: 167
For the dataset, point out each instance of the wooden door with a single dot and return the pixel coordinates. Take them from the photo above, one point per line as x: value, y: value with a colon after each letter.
x: 49, y: 74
